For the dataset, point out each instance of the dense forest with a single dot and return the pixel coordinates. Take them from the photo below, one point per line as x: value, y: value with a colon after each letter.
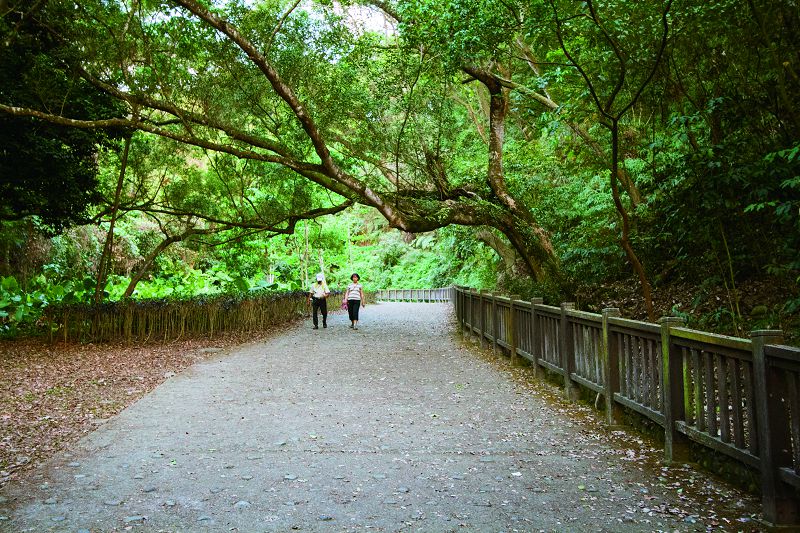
x: 644, y: 155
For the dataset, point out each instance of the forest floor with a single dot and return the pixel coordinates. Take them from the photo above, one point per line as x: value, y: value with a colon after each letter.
x: 754, y: 304
x: 398, y: 426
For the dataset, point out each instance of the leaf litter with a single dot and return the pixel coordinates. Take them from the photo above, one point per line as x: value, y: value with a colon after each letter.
x: 51, y: 394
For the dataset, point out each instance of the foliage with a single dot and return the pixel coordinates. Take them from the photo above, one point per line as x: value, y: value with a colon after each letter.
x: 46, y: 170
x: 232, y: 162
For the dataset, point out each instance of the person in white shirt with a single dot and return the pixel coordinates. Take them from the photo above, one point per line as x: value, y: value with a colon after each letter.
x: 319, y: 300
x: 355, y: 299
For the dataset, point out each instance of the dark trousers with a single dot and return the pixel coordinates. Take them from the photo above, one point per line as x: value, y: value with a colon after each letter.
x: 320, y: 304
x: 352, y: 308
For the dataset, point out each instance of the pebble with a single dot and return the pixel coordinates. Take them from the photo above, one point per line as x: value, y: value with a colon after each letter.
x: 84, y: 531
x: 138, y: 476
x: 74, y: 464
x: 215, y: 490
x: 379, y: 476
x: 170, y: 503
x: 280, y: 443
x: 247, y: 477
x: 135, y: 519
x: 242, y: 504
x: 149, y: 489
x: 403, y: 489
x: 3, y: 518
x: 204, y: 518
x: 325, y: 517
x: 58, y: 518
x: 486, y: 459
x: 112, y: 503
x: 254, y: 457
x: 50, y: 501
x: 390, y: 502
x: 289, y: 477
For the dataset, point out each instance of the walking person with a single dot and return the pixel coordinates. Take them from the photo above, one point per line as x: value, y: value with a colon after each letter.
x: 355, y: 299
x: 319, y: 300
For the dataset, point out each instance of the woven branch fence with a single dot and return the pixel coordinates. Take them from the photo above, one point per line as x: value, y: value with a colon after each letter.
x: 146, y: 320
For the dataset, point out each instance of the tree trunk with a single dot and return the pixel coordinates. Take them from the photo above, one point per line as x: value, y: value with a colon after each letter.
x: 647, y: 291
x: 108, y: 248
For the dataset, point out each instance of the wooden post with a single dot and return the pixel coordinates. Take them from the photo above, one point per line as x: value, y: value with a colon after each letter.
x: 512, y: 329
x: 675, y: 442
x: 775, y: 445
x: 566, y: 351
x: 495, y: 322
x: 471, y: 312
x: 535, y: 336
x: 610, y: 357
x: 482, y: 322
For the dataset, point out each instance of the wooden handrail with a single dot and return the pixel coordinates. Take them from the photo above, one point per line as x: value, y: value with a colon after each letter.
x: 738, y: 397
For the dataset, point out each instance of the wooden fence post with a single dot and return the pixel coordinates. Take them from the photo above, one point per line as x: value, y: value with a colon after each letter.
x: 675, y: 443
x: 778, y: 499
x: 512, y: 329
x: 495, y: 322
x: 481, y: 310
x: 610, y: 357
x: 535, y: 336
x: 567, y: 351
x: 471, y: 312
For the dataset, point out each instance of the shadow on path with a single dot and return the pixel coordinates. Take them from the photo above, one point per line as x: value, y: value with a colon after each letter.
x: 395, y: 427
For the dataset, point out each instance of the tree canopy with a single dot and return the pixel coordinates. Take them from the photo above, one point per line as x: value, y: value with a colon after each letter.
x: 646, y: 133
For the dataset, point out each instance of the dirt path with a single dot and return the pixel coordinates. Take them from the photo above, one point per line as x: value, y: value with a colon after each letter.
x: 398, y: 426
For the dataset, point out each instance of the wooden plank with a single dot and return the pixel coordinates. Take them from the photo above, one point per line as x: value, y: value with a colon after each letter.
x: 737, y: 416
x: 697, y: 380
x: 710, y: 389
x: 638, y: 369
x: 609, y: 353
x: 584, y: 316
x: 623, y: 364
x: 750, y: 403
x: 652, y: 357
x: 550, y: 366
x: 644, y: 410
x: 794, y: 413
x: 594, y: 362
x: 790, y: 477
x: 724, y: 400
x: 714, y: 339
x: 715, y: 444
x: 589, y: 384
x: 636, y: 327
x: 688, y: 396
x: 646, y: 375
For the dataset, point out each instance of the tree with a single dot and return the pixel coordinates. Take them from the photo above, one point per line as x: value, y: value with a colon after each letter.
x: 296, y: 123
x: 46, y: 170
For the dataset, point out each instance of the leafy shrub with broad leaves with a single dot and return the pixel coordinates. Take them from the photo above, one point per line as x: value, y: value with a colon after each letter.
x: 21, y: 309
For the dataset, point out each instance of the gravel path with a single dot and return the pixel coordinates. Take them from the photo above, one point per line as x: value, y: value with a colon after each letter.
x: 399, y: 426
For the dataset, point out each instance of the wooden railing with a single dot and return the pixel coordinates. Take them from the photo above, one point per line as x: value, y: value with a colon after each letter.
x: 738, y: 397
x: 414, y: 295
